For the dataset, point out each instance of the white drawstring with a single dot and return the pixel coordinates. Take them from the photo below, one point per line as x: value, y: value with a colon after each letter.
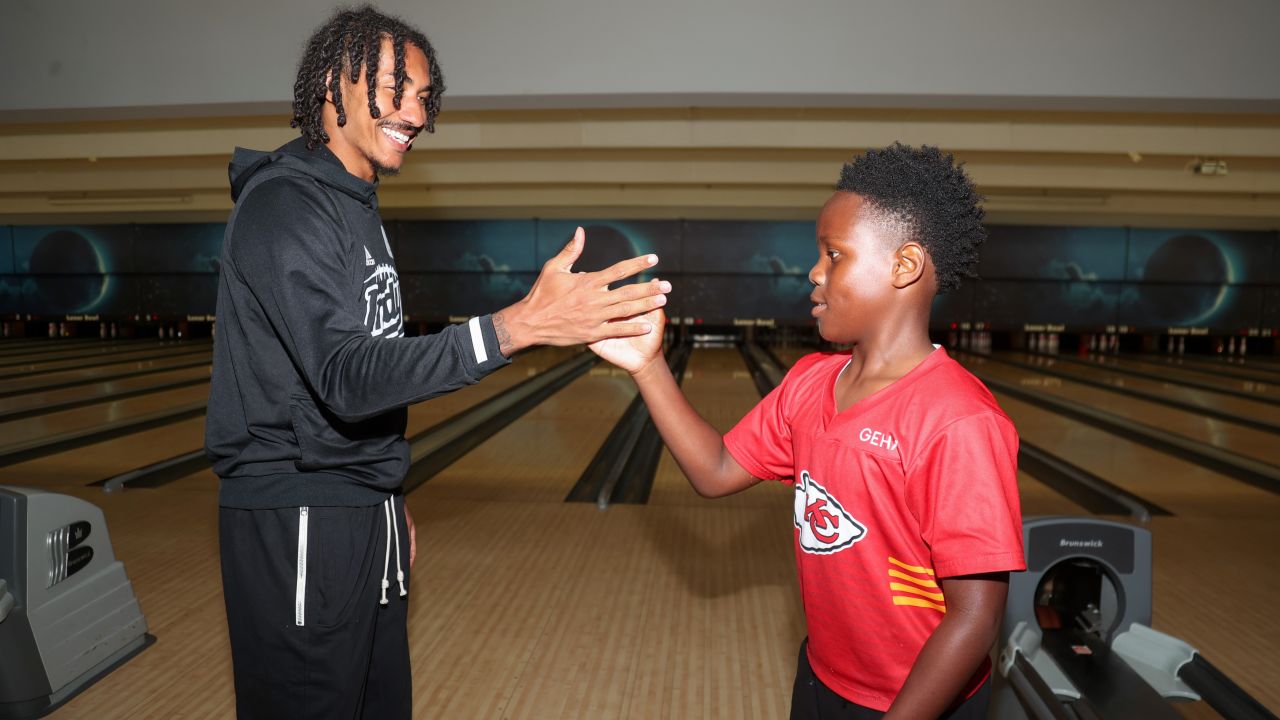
x: 386, y: 558
x: 393, y: 530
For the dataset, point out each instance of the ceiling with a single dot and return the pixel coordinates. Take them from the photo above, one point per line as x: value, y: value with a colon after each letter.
x: 1035, y: 167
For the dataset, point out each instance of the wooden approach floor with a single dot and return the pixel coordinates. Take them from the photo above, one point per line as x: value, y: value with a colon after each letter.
x: 528, y: 607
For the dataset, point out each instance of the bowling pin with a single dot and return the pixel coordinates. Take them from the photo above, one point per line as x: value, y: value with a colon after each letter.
x: 113, y: 331
x: 1244, y: 345
x: 1182, y: 345
x: 1231, y: 346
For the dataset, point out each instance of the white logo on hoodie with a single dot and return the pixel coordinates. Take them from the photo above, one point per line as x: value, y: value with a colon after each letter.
x: 382, y: 313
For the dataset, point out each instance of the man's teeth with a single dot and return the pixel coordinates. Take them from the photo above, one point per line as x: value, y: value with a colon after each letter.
x: 397, y: 136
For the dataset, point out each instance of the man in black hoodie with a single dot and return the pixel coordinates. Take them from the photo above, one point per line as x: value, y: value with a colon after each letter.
x: 312, y: 375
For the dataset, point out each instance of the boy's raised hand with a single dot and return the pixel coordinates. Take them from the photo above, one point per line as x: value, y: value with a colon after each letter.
x: 634, y: 353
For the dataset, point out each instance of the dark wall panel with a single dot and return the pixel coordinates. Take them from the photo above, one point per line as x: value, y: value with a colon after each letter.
x: 480, y: 246
x: 438, y: 296
x: 72, y: 249
x: 1052, y: 253
x: 953, y: 307
x: 1226, y: 308
x: 610, y: 241
x: 1206, y: 257
x: 189, y: 248
x: 720, y: 299
x: 765, y: 248
x: 6, y: 250
x: 1009, y: 304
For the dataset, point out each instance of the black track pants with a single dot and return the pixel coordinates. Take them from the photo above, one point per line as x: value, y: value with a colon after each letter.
x: 316, y: 643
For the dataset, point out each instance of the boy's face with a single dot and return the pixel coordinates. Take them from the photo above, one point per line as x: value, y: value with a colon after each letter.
x: 367, y: 146
x: 854, y: 276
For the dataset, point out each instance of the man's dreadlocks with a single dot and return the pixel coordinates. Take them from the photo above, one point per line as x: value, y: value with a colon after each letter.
x: 349, y: 42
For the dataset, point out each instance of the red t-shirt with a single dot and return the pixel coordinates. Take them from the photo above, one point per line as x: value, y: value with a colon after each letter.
x: 914, y: 483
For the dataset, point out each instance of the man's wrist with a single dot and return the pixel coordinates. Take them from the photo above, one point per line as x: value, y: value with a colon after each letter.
x: 507, y: 327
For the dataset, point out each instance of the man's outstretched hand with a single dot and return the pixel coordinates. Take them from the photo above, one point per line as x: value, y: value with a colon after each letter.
x: 568, y: 308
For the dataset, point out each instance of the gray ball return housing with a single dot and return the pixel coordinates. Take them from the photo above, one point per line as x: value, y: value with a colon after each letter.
x: 1078, y: 641
x: 68, y: 615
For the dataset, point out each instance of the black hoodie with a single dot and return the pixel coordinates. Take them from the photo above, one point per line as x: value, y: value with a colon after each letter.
x: 311, y: 369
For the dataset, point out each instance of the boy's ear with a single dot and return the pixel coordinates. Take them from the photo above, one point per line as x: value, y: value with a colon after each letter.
x: 328, y: 93
x: 909, y: 263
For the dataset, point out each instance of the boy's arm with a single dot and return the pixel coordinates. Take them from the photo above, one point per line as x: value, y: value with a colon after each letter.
x: 957, y: 647
x: 697, y: 446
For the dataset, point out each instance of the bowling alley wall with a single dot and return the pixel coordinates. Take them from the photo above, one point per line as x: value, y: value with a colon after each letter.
x: 724, y: 272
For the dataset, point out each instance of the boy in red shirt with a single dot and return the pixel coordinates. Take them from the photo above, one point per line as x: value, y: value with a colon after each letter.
x: 906, y: 503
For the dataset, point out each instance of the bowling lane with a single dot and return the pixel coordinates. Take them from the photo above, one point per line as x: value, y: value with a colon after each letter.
x: 1206, y: 365
x: 81, y: 393
x: 720, y: 387
x: 1201, y: 398
x: 551, y: 444
x: 1268, y: 390
x: 1256, y: 444
x: 41, y: 367
x: 538, y: 608
x: 14, y: 386
x: 89, y: 463
x: 98, y: 349
x: 26, y: 430
x: 425, y: 414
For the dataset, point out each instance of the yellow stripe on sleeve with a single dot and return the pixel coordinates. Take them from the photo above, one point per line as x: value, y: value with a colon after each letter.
x: 917, y: 602
x: 916, y: 580
x: 916, y: 591
x: 912, y: 568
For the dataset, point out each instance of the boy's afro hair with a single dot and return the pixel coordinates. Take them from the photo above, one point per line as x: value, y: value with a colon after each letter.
x: 927, y: 192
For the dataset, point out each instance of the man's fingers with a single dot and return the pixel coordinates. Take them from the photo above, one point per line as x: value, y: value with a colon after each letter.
x: 636, y: 291
x: 625, y: 269
x: 624, y: 329
x: 571, y: 252
x: 637, y: 307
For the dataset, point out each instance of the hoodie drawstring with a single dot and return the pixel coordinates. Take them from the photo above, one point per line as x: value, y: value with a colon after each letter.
x: 393, y: 530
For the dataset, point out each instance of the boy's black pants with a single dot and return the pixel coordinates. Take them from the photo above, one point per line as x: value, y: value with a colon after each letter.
x: 317, y: 643
x: 812, y: 700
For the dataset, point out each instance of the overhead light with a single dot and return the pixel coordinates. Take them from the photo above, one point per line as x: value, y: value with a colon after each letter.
x: 1208, y: 166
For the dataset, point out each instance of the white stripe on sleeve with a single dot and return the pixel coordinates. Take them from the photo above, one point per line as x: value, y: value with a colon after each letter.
x: 477, y: 340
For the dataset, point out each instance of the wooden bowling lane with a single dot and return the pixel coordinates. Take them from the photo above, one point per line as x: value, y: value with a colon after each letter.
x: 529, y: 607
x: 26, y: 430
x: 80, y: 466
x: 42, y: 367
x: 1210, y: 365
x: 19, y: 385
x: 103, y: 390
x: 553, y: 442
x: 85, y: 349
x: 1248, y: 442
x: 1234, y: 404
x: 720, y: 387
x: 1263, y: 389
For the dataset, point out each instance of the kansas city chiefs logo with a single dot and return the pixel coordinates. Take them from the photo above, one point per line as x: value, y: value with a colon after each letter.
x: 824, y: 525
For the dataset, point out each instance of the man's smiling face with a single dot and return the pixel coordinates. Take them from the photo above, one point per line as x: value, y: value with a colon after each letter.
x: 368, y: 146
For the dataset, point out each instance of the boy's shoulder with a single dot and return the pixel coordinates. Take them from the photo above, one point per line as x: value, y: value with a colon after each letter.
x: 949, y: 393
